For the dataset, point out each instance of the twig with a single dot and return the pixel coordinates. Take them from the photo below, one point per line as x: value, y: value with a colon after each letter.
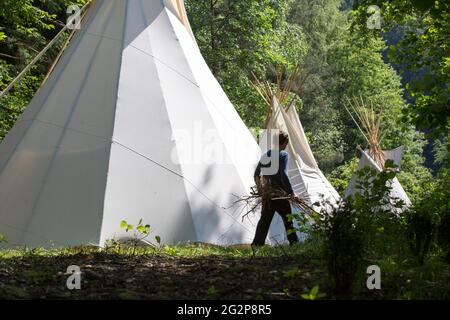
x: 8, y: 56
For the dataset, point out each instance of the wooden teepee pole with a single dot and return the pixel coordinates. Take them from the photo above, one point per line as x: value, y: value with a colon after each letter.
x: 369, y: 124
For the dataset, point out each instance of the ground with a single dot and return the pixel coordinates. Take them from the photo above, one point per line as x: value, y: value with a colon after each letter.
x: 195, y: 271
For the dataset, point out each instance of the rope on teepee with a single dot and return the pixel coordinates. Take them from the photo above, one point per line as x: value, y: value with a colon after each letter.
x: 41, y: 54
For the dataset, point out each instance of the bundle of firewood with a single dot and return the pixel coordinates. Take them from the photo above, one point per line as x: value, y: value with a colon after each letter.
x: 263, y: 193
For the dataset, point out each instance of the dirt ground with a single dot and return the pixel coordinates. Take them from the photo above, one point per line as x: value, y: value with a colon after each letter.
x: 113, y: 276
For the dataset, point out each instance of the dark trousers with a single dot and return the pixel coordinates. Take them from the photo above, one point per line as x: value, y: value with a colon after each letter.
x: 283, y: 208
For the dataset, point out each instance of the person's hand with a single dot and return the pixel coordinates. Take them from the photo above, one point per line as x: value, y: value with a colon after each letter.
x: 258, y: 184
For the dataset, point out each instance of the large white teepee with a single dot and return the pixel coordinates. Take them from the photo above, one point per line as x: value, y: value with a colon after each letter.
x: 397, y: 191
x: 307, y: 179
x: 131, y: 124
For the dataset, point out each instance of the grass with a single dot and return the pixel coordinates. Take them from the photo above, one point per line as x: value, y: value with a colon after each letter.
x: 202, y: 271
x: 186, y: 250
x: 194, y: 271
x: 406, y: 279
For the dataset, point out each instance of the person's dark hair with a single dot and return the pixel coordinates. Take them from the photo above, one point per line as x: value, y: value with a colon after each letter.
x: 283, y: 137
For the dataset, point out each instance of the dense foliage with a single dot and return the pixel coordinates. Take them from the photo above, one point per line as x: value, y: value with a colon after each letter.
x: 240, y: 37
x: 26, y: 27
x: 334, y: 61
x: 402, y: 68
x: 424, y: 47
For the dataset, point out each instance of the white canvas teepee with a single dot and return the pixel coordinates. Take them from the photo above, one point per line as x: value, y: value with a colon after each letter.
x: 131, y: 124
x: 307, y: 179
x: 397, y: 191
x: 369, y: 122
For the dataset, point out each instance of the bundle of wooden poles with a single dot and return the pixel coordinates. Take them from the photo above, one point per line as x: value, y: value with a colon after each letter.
x: 281, y: 91
x: 368, y: 121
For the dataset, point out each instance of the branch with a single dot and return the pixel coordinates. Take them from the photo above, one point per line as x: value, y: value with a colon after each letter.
x: 8, y: 56
x: 259, y: 196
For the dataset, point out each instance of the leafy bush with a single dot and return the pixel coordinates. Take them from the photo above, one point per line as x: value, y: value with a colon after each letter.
x: 420, y: 232
x: 428, y: 220
x: 444, y: 235
x: 442, y: 206
x: 341, y: 176
x: 350, y: 229
x: 344, y: 243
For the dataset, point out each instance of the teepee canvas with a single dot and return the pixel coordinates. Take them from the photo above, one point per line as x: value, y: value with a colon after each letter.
x: 369, y: 123
x: 130, y: 125
x: 397, y: 191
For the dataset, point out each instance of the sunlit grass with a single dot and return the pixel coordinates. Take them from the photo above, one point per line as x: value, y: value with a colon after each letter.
x: 182, y: 250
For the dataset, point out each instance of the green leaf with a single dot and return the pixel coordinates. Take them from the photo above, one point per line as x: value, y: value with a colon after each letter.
x: 212, y: 290
x: 291, y: 273
x: 123, y: 224
x: 158, y: 239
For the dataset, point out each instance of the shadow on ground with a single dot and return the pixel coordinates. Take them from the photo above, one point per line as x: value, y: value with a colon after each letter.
x: 158, y: 276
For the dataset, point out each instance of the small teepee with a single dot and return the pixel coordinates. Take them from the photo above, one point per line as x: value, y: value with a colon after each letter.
x: 307, y: 179
x: 369, y: 124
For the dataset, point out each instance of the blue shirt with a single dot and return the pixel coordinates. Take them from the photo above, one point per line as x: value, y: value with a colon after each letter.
x: 280, y: 179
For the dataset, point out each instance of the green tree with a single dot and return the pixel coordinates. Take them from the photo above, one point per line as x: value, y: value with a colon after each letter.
x: 424, y: 47
x: 26, y: 27
x: 323, y: 24
x: 343, y: 62
x: 240, y: 37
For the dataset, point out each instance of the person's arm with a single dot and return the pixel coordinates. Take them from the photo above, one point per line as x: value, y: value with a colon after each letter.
x: 284, y: 160
x: 257, y: 175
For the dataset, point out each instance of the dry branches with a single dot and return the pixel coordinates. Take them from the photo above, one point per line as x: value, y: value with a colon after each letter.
x: 263, y: 194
